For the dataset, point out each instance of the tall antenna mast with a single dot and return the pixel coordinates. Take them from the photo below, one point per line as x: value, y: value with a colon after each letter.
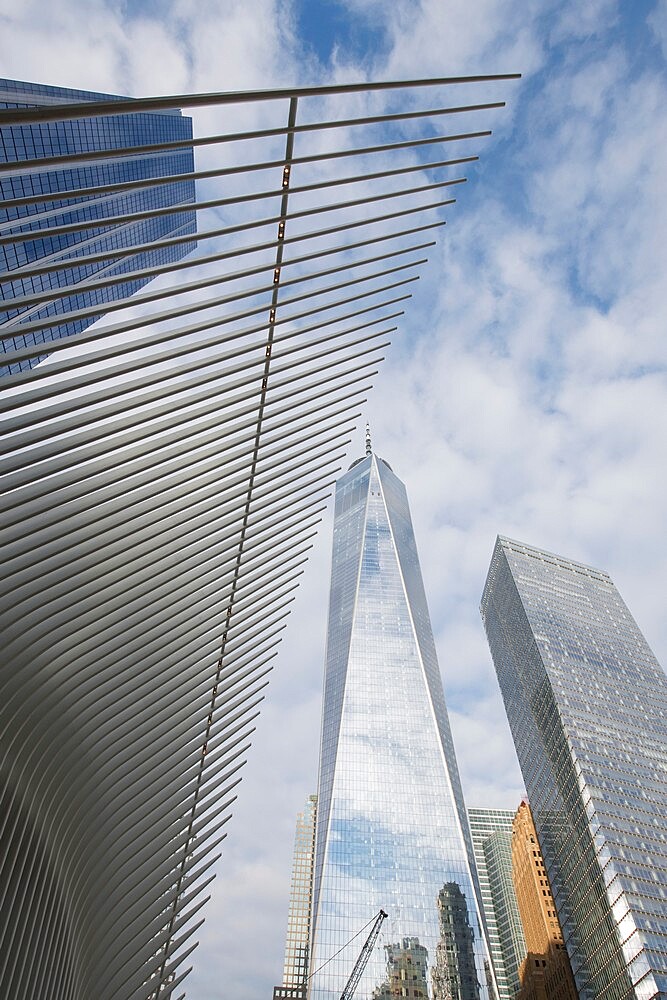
x: 369, y: 450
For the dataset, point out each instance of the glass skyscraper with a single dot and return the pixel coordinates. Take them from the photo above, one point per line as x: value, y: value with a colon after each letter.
x: 20, y: 257
x: 297, y: 943
x: 587, y: 705
x: 392, y: 830
x: 491, y: 831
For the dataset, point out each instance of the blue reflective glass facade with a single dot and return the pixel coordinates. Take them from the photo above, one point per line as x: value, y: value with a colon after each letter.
x: 21, y: 143
x: 392, y: 831
x: 587, y: 705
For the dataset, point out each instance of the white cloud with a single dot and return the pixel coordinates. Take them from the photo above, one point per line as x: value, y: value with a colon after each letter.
x: 584, y: 21
x: 657, y: 21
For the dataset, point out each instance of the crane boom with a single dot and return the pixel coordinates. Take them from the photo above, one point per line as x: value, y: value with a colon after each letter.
x: 362, y: 961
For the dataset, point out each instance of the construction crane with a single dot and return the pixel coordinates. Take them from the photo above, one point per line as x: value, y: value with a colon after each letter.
x: 362, y: 961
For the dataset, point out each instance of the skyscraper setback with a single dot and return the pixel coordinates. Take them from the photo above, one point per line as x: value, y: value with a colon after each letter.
x: 587, y: 705
x: 81, y: 212
x: 392, y: 831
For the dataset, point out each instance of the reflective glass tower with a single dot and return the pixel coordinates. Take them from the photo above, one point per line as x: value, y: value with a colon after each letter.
x: 587, y: 705
x: 297, y: 944
x: 491, y: 831
x: 392, y: 831
x: 85, y: 247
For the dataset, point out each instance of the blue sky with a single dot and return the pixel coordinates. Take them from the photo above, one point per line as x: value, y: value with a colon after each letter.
x: 525, y: 390
x: 328, y: 27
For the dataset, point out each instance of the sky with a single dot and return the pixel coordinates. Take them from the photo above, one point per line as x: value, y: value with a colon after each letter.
x: 524, y: 393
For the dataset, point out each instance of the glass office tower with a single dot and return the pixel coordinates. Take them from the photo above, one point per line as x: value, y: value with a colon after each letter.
x: 392, y: 830
x: 20, y: 258
x: 297, y: 943
x: 587, y: 705
x: 491, y: 831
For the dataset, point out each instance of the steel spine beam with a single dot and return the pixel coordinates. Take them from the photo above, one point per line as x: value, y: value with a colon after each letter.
x: 266, y: 165
x: 49, y: 427
x: 32, y: 270
x: 185, y: 310
x: 97, y: 454
x: 130, y: 105
x: 169, y: 482
x: 76, y: 227
x: 115, y: 349
x: 205, y: 283
x: 164, y: 479
x: 37, y: 163
x: 218, y: 278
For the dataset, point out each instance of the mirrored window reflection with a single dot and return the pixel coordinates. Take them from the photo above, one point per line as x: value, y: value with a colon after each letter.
x: 455, y: 973
x: 407, y: 971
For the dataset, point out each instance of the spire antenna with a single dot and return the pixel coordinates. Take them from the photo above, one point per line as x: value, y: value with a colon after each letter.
x: 369, y: 449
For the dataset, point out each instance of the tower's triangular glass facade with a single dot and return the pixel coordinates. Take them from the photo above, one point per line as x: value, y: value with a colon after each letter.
x: 392, y: 831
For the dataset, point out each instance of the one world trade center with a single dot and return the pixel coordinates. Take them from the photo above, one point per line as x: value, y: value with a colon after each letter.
x: 392, y: 831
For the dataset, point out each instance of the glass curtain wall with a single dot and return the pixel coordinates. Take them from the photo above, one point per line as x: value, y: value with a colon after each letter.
x: 492, y: 841
x: 392, y: 829
x: 85, y: 135
x: 587, y: 704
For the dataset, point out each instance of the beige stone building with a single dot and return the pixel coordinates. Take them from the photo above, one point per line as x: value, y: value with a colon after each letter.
x: 545, y: 973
